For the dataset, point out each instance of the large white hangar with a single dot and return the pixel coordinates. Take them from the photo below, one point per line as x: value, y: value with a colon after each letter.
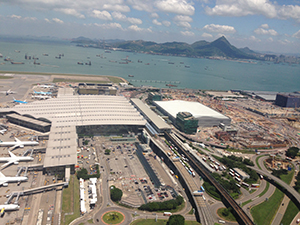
x: 206, y: 116
x: 71, y: 115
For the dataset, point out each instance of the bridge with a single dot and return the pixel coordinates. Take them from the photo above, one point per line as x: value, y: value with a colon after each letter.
x: 291, y: 192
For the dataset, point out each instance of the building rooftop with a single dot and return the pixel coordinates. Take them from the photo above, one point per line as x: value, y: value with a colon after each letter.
x: 197, y: 109
x: 158, y: 121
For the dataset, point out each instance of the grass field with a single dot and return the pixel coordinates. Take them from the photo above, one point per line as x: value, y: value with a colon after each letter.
x: 5, y: 77
x: 56, y: 80
x: 159, y: 222
x: 264, y: 213
x: 70, y: 195
x: 290, y: 213
x: 230, y: 216
x: 288, y: 177
x: 107, y: 218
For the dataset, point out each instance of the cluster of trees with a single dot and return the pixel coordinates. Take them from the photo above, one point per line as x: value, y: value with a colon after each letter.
x: 297, y: 183
x: 107, y: 152
x: 83, y: 173
x: 212, y: 190
x: 166, y: 205
x: 115, y: 194
x: 292, y: 152
x: 278, y: 173
x: 176, y: 220
x: 238, y: 162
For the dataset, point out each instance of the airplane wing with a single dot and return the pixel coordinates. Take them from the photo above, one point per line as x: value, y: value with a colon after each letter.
x: 12, y: 155
x: 13, y: 147
x: 8, y: 163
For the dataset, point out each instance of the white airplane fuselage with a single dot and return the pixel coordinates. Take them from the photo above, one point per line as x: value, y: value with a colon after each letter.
x: 9, y: 207
x: 21, y: 144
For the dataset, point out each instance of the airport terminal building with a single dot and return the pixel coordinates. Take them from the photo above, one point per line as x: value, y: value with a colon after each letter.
x: 69, y: 115
x: 206, y: 116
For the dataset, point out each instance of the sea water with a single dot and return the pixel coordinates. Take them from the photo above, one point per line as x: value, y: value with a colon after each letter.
x: 151, y: 70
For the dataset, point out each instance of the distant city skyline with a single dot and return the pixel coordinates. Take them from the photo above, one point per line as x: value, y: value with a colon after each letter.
x: 262, y: 25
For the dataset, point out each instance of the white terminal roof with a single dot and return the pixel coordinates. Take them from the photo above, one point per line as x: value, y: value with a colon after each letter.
x: 197, y: 109
x: 68, y: 111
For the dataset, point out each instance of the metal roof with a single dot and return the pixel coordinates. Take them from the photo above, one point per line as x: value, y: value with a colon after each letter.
x: 197, y: 109
x: 68, y: 111
x: 158, y: 121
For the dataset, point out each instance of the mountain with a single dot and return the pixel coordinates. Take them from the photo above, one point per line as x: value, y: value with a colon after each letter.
x: 218, y: 48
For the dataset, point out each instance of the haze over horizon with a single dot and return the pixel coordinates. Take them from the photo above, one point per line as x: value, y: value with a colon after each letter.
x: 262, y: 25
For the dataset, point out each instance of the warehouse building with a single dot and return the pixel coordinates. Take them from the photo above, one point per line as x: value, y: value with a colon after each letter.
x: 288, y: 100
x: 72, y: 114
x: 206, y: 116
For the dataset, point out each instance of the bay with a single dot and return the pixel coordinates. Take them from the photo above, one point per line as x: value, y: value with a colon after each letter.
x: 154, y: 70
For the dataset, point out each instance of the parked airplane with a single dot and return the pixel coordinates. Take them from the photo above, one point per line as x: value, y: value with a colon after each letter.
x: 41, y: 97
x: 8, y: 92
x: 5, y: 180
x: 8, y: 207
x: 13, y: 159
x: 2, y: 131
x: 46, y: 86
x: 42, y: 92
x: 17, y: 143
x: 19, y: 101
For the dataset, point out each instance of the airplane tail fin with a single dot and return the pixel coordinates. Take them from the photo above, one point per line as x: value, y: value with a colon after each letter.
x: 2, y: 175
x: 12, y: 154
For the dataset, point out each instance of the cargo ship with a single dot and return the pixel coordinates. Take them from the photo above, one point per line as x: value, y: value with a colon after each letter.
x: 130, y: 75
x: 171, y: 85
x: 16, y: 62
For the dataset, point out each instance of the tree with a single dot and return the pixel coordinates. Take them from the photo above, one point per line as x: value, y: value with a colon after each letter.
x: 292, y: 152
x: 107, y: 152
x: 176, y: 220
x: 115, y: 194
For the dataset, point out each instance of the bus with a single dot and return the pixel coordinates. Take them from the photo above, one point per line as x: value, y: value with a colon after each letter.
x: 238, y: 185
x: 231, y: 174
x: 261, y: 177
x: 245, y: 184
x: 255, y: 185
x: 171, y: 172
x: 231, y: 170
x: 167, y: 214
x: 238, y: 179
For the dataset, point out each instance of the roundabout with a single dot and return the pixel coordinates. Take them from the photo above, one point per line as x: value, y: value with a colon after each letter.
x: 113, y: 217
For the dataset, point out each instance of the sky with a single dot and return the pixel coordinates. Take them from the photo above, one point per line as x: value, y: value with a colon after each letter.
x: 261, y: 25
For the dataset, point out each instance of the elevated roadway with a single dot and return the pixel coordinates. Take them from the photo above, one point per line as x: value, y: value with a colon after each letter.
x: 291, y: 192
x: 242, y: 217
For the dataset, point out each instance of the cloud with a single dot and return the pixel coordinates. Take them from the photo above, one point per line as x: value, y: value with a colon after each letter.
x: 30, y: 18
x: 15, y: 16
x: 119, y: 8
x: 270, y: 39
x: 166, y: 23
x: 102, y: 15
x: 56, y: 20
x: 289, y: 11
x: 206, y: 35
x: 183, y: 18
x: 253, y: 38
x: 121, y: 17
x: 297, y: 34
x: 284, y: 42
x: 141, y: 5
x: 138, y: 29
x: 215, y: 28
x: 181, y: 7
x: 156, y: 22
x: 71, y: 12
x: 184, y: 24
x: 109, y: 26
x: 265, y: 26
x: 154, y: 15
x: 47, y: 20
x: 262, y: 31
x: 187, y: 33
x: 238, y: 8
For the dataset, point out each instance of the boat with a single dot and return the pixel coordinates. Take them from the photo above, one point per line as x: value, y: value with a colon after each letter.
x: 139, y: 61
x: 181, y: 62
x: 7, y: 59
x: 45, y: 54
x: 186, y: 66
x: 16, y: 62
x: 123, y: 62
x: 170, y: 62
x: 130, y: 75
x: 80, y: 63
x: 36, y: 63
x: 112, y: 61
x: 17, y: 51
x: 171, y: 85
x: 147, y: 63
x: 107, y: 51
x: 1, y: 55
